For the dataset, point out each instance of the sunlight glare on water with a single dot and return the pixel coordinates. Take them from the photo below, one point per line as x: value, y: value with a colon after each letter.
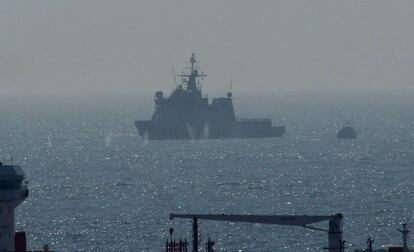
x: 97, y: 186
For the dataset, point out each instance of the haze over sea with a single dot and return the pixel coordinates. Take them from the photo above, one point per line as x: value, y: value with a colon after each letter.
x: 96, y: 186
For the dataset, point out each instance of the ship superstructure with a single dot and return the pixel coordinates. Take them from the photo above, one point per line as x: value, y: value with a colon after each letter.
x: 187, y: 114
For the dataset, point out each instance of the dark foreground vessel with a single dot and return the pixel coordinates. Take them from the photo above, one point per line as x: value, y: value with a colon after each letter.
x: 347, y: 132
x: 186, y: 114
x: 336, y: 242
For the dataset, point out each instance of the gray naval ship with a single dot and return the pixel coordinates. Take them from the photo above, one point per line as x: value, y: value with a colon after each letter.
x: 186, y: 114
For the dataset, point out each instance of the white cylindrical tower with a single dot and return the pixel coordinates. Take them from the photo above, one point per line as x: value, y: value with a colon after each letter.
x: 12, y: 192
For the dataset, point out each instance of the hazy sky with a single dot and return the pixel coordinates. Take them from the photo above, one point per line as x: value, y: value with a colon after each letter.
x: 113, y: 46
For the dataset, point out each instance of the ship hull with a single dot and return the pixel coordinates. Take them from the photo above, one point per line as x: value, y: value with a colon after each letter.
x: 151, y: 130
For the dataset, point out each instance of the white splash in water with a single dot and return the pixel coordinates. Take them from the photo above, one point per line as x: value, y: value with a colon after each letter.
x: 108, y: 139
x: 49, y: 141
x: 145, y: 137
x: 206, y: 131
x: 192, y: 132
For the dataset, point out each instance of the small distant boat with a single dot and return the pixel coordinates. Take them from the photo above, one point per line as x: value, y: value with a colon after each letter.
x: 347, y: 132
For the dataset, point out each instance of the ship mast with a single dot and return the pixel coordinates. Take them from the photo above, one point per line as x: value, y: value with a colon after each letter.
x: 193, y: 75
x: 193, y: 61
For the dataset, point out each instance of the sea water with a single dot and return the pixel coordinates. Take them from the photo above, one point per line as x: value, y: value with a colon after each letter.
x: 95, y: 185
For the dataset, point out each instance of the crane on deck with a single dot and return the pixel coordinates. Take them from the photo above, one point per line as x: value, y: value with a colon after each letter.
x: 335, y: 234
